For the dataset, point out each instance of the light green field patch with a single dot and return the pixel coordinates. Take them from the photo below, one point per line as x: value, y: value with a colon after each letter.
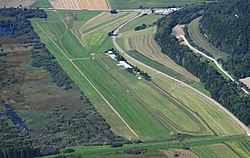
x: 214, y: 150
x: 241, y: 147
x: 95, y: 38
x: 132, y: 33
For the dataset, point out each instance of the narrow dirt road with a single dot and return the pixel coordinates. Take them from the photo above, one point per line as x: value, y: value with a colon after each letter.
x: 242, y: 125
x: 210, y: 58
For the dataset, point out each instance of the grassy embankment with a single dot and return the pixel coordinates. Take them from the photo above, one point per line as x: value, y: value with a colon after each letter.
x: 148, y: 108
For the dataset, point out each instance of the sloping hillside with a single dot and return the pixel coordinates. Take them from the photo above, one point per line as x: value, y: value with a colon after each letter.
x: 227, y: 27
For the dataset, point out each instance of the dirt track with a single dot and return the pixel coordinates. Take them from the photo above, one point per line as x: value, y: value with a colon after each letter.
x: 80, y: 4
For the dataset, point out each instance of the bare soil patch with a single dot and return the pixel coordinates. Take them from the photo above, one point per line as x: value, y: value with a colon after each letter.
x: 80, y: 4
x: 178, y: 30
x: 16, y: 3
x: 246, y: 81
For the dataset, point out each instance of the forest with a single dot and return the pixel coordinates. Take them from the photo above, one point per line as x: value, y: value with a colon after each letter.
x: 227, y: 28
x: 225, y: 92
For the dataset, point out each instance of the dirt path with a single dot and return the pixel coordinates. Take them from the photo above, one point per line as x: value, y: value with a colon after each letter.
x: 243, y: 126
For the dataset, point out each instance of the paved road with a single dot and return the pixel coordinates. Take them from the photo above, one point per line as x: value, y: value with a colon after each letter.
x: 242, y: 125
x: 210, y: 58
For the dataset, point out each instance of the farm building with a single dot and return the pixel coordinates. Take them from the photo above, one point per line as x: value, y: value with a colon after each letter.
x: 124, y: 64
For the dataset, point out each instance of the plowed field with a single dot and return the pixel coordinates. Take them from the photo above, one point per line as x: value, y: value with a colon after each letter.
x: 80, y: 4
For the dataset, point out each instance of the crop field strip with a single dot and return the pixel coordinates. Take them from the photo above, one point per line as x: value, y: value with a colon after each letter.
x: 148, y: 47
x: 80, y: 4
x: 214, y: 150
x: 199, y: 39
x: 241, y: 147
x: 114, y: 88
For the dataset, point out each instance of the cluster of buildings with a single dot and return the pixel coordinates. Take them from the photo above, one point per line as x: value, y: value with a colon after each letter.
x: 121, y: 63
x: 164, y: 11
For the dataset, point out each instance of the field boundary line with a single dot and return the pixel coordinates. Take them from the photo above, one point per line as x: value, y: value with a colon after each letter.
x: 89, y: 82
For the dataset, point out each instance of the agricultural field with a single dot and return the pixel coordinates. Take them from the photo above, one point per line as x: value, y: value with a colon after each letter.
x: 17, y: 3
x: 241, y: 147
x: 136, y: 4
x: 200, y: 40
x: 143, y: 42
x: 80, y: 4
x: 214, y: 150
x: 145, y: 110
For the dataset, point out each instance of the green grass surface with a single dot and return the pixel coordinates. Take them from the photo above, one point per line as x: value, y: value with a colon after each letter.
x: 200, y: 40
x: 135, y: 4
x: 241, y: 147
x: 42, y: 4
x: 214, y: 150
x: 152, y: 111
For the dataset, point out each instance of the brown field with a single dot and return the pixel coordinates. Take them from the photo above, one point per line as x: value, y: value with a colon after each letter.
x: 80, y: 4
x: 16, y: 3
x: 179, y: 153
x: 246, y: 81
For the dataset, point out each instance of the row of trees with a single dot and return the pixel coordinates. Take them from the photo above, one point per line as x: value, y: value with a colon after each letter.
x: 225, y: 92
x: 227, y: 28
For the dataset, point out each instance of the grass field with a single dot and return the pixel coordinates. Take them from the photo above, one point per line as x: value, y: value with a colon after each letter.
x: 200, y: 40
x: 154, y: 111
x: 135, y: 4
x: 241, y: 147
x: 214, y: 150
x: 42, y: 4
